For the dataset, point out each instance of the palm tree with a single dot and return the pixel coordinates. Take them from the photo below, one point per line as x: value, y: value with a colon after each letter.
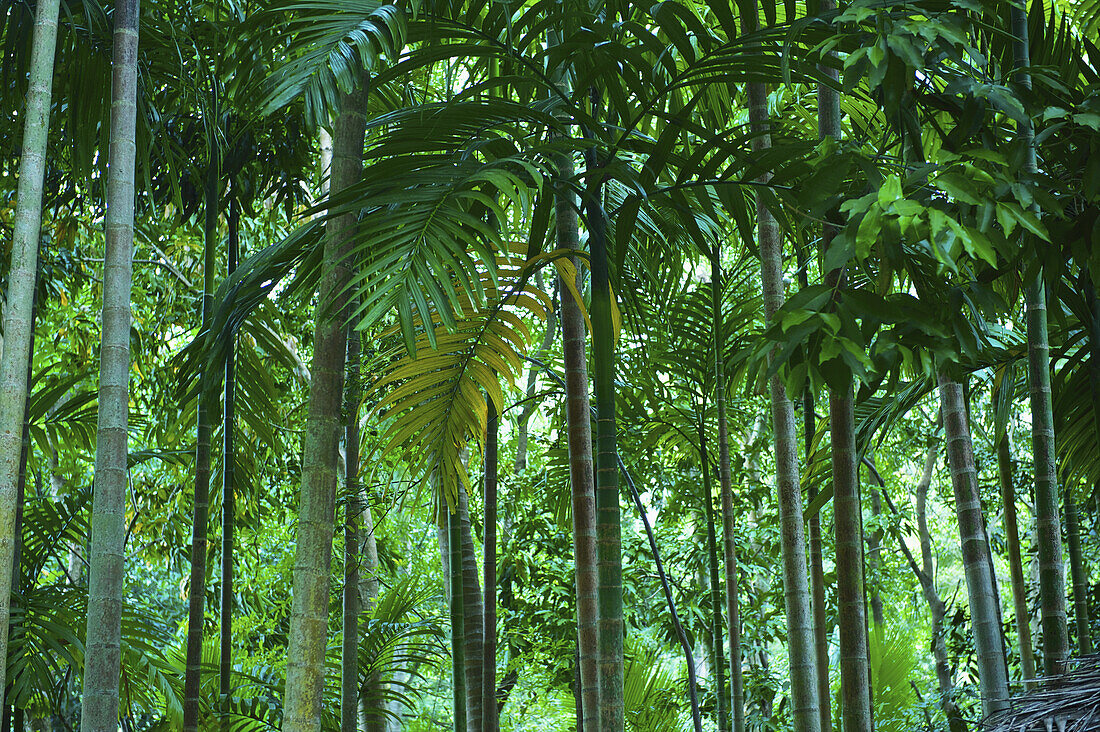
x: 985, y: 609
x: 309, y: 612
x: 795, y: 577
x: 22, y: 276
x: 729, y: 544
x: 1052, y: 580
x: 102, y: 657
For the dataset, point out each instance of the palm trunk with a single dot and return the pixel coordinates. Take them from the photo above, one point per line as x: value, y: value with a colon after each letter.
x: 453, y: 570
x: 1080, y: 578
x: 229, y: 481
x: 349, y: 651
x: 309, y: 609
x: 581, y: 477
x: 1015, y: 563
x: 944, y: 677
x: 370, y: 695
x: 855, y: 692
x: 608, y: 528
x: 196, y: 601
x: 489, y: 651
x: 1052, y: 580
x: 801, y: 656
x: 716, y: 637
x: 473, y: 618
x: 102, y: 657
x: 985, y: 608
x: 729, y: 537
x: 20, y: 297
x: 817, y: 564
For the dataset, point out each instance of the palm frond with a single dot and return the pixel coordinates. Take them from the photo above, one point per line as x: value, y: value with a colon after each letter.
x: 432, y: 396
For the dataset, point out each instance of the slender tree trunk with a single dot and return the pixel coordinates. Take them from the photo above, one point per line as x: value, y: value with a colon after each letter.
x: 1015, y: 563
x: 985, y: 608
x: 370, y: 696
x: 20, y: 296
x: 309, y: 609
x: 816, y: 558
x: 458, y: 660
x: 1052, y: 580
x: 716, y: 635
x: 473, y: 619
x: 681, y: 634
x: 489, y: 652
x: 229, y: 481
x: 581, y: 476
x: 801, y: 655
x: 196, y: 605
x: 729, y: 536
x: 608, y: 528
x: 1080, y: 578
x: 102, y: 656
x: 352, y: 604
x: 855, y: 692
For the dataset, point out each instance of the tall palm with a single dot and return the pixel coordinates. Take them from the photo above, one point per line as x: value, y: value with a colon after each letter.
x: 985, y: 609
x: 18, y: 309
x: 309, y: 612
x: 102, y: 658
x: 795, y: 577
x: 1052, y: 580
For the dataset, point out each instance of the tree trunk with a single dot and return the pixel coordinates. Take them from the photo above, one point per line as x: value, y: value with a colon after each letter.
x: 102, y: 656
x: 608, y: 528
x: 473, y: 618
x: 309, y: 609
x: 1015, y: 563
x: 370, y: 695
x: 352, y: 602
x: 855, y: 692
x: 803, y: 673
x: 816, y: 558
x: 489, y: 651
x: 1080, y: 578
x: 1052, y: 580
x: 453, y: 569
x: 806, y: 715
x: 229, y: 480
x: 985, y: 608
x: 579, y: 427
x: 22, y: 276
x: 729, y: 536
x: 716, y: 635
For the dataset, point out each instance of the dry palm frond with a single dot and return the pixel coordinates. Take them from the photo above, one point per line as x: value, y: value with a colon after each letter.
x: 1069, y: 702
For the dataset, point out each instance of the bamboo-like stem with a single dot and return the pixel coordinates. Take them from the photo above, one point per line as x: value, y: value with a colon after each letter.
x: 489, y: 649
x: 1015, y: 562
x: 229, y: 480
x: 1080, y: 578
x: 716, y: 636
x: 19, y: 306
x: 351, y: 599
x: 1048, y: 525
x: 102, y: 655
x: 729, y: 536
x: 803, y: 672
x: 985, y: 607
x: 316, y: 514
